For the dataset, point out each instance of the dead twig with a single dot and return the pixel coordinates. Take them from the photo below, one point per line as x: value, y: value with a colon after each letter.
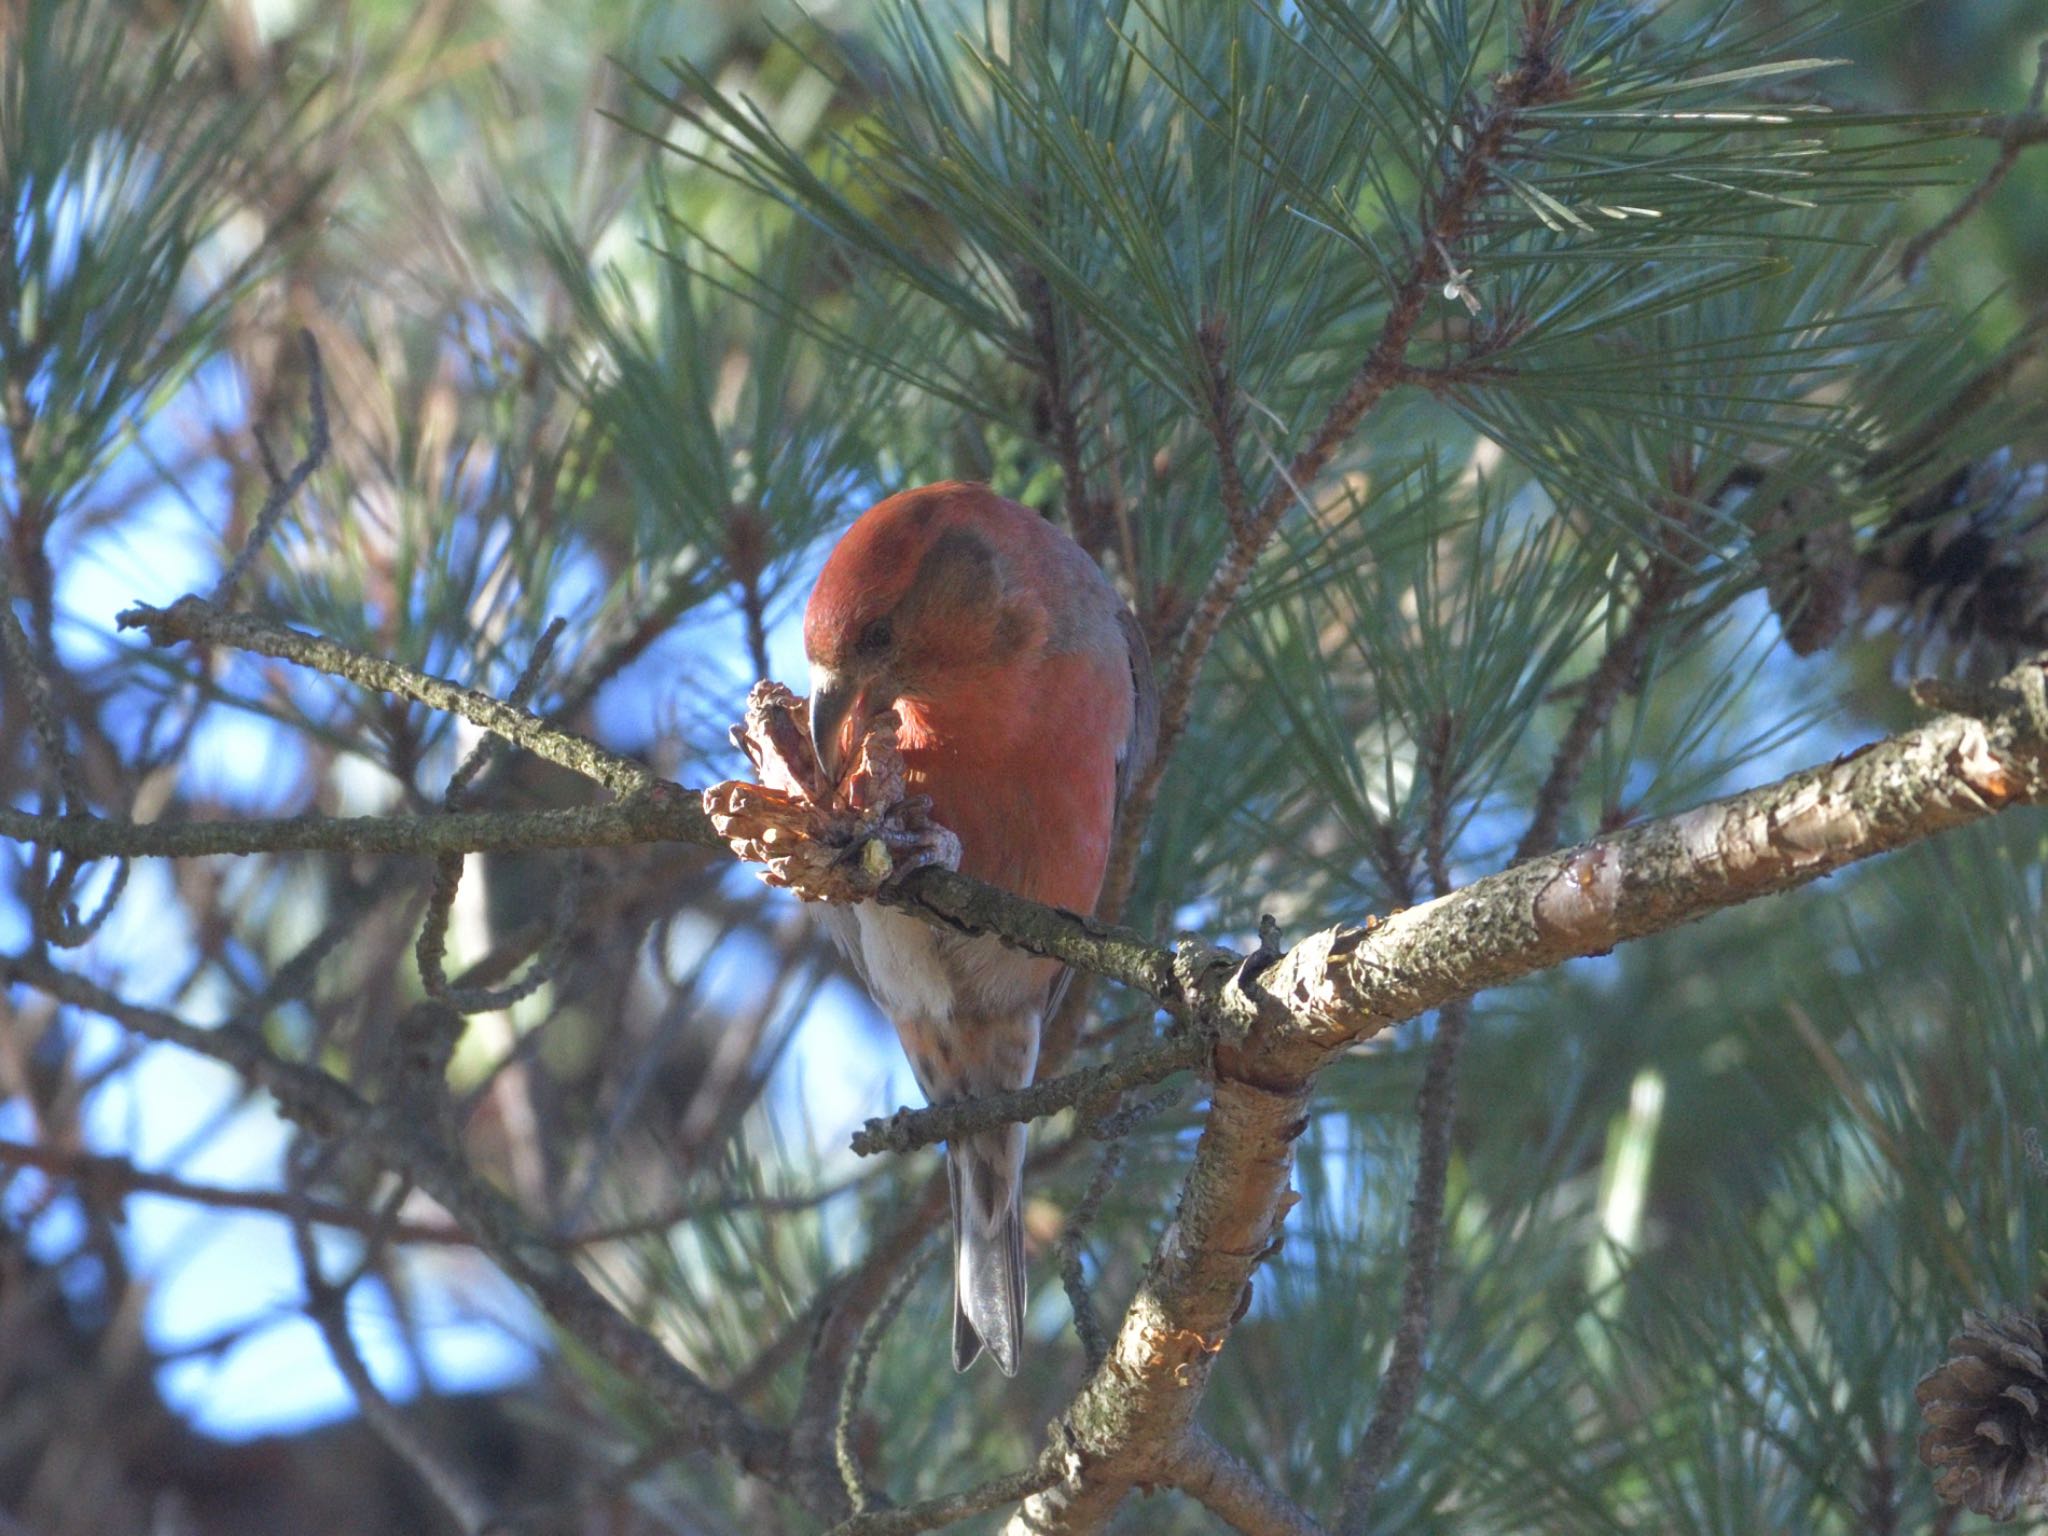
x: 2016, y: 135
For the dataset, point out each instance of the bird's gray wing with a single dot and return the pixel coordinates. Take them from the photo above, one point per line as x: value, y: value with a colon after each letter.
x: 1136, y: 752
x: 1138, y: 747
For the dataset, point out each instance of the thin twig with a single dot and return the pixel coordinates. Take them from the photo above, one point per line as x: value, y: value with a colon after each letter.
x: 57, y: 920
x: 1111, y: 1129
x: 677, y: 817
x: 832, y: 1324
x: 2037, y: 1160
x: 118, y: 1175
x: 327, y: 1305
x: 844, y: 1455
x: 1223, y: 417
x: 1616, y: 672
x: 1056, y: 380
x: 2019, y: 132
x: 282, y: 487
x: 599, y: 667
x: 121, y: 1176
x: 431, y: 950
x: 908, y: 1129
x: 1435, y: 1107
x: 1087, y: 1324
x: 191, y: 618
x: 62, y: 785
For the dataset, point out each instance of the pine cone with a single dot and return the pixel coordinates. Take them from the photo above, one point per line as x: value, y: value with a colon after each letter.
x: 825, y: 842
x: 1964, y: 564
x: 1987, y: 1415
x: 1809, y: 567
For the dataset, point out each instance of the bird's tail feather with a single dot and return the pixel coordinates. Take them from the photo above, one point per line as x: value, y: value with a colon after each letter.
x: 988, y: 1246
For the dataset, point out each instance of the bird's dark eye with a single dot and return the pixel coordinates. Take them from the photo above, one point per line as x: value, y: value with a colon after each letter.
x: 874, y: 638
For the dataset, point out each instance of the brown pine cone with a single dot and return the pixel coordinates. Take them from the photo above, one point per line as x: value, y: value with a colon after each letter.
x: 1809, y: 568
x: 826, y: 842
x: 1987, y: 1415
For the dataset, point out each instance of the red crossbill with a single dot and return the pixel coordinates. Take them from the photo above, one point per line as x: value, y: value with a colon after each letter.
x: 1024, y: 695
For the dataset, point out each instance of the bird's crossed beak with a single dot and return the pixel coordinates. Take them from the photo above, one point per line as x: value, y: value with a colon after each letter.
x: 833, y: 697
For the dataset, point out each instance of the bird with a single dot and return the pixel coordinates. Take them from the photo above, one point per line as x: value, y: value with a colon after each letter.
x: 1025, y: 708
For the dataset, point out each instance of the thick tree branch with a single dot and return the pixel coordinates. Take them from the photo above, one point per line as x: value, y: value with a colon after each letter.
x: 1352, y: 981
x: 1346, y: 983
x: 1130, y: 1420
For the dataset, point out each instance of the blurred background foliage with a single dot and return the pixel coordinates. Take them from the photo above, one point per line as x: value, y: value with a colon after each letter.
x: 621, y: 310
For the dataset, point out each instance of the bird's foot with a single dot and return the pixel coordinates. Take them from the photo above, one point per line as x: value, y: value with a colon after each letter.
x: 826, y: 842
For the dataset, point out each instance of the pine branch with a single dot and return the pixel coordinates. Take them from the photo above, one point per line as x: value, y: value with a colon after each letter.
x: 1278, y: 1030
x: 1131, y: 1419
x: 1323, y: 995
x: 1657, y: 875
x: 1338, y: 987
x: 833, y: 1328
x: 1401, y: 1384
x: 930, y: 1514
x: 858, y: 1494
x: 908, y: 1129
x: 327, y: 1305
x: 119, y: 1176
x: 1448, y: 208
x: 2017, y: 134
x: 191, y: 618
x: 329, y: 1108
x: 1616, y: 672
x: 667, y: 815
x: 284, y: 485
x: 431, y: 950
x: 1236, y: 1494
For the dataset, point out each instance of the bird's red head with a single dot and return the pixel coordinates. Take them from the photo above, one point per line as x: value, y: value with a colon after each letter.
x: 925, y: 593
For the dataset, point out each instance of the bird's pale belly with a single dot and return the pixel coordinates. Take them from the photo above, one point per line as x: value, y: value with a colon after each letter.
x: 916, y: 970
x: 905, y: 971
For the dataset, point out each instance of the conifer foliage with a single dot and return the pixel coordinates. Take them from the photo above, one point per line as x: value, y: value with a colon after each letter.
x: 1579, y: 469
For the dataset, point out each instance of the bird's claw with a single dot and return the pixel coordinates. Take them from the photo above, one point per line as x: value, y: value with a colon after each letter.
x: 826, y: 842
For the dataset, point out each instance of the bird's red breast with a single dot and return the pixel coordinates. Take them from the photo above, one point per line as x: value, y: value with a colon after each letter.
x: 1021, y: 763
